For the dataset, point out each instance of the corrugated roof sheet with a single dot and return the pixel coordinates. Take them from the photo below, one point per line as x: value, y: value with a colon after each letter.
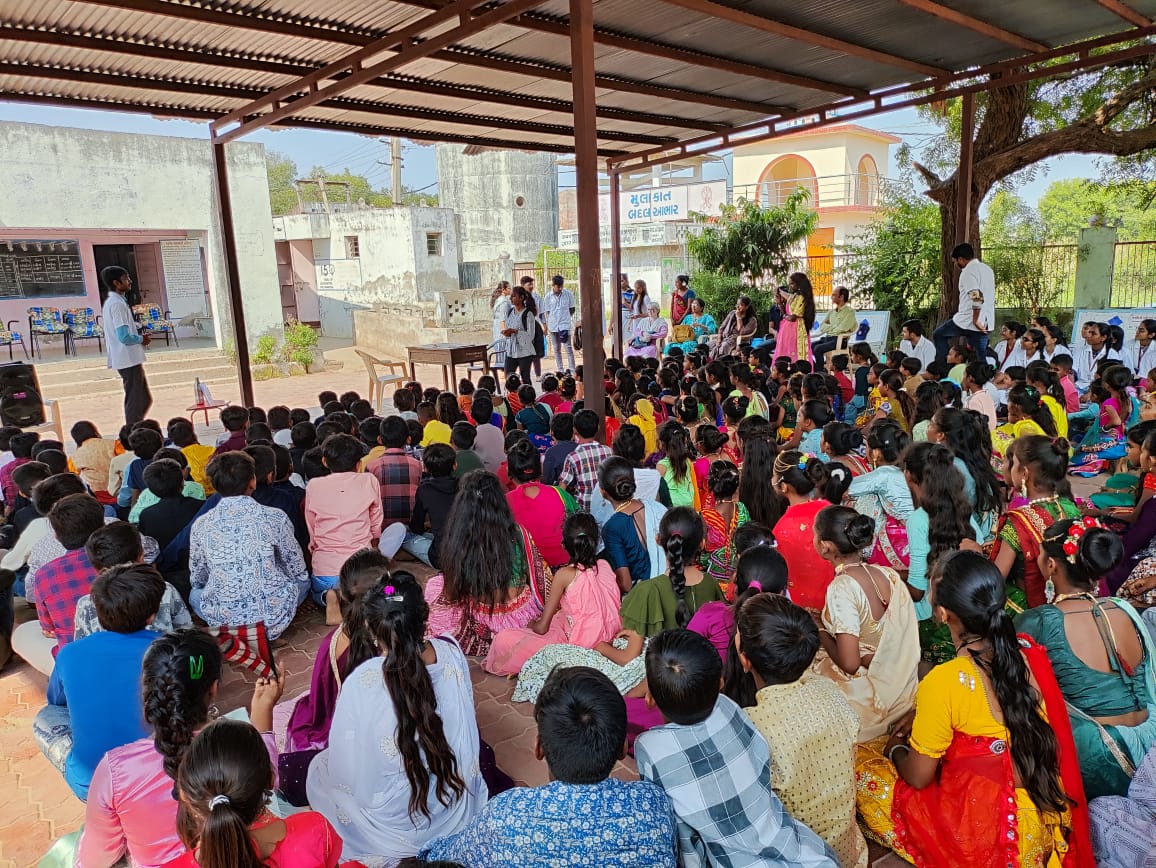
x: 668, y: 70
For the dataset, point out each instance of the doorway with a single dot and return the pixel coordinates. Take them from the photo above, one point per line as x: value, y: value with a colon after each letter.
x: 123, y: 255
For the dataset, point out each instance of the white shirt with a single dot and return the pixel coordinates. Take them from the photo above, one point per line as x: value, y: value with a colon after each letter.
x: 556, y: 310
x: 1084, y: 364
x: 1019, y: 357
x: 976, y: 277
x: 1140, y: 359
x: 116, y: 313
x: 924, y: 350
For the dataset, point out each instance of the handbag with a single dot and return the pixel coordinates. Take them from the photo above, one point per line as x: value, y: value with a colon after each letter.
x: 682, y: 333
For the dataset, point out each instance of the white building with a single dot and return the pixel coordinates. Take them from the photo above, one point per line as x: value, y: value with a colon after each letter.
x: 78, y: 200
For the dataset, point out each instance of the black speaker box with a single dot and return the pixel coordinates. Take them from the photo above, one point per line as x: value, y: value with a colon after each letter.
x: 20, y: 403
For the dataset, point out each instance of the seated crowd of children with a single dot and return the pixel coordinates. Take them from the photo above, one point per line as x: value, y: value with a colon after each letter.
x: 791, y: 593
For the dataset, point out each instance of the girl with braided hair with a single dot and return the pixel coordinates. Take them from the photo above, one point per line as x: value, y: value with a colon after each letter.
x: 401, y: 768
x: 669, y: 600
x: 131, y: 809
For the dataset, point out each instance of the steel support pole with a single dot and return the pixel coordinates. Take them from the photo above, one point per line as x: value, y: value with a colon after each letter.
x: 586, y: 171
x: 616, y: 261
x: 232, y: 272
x: 963, y: 188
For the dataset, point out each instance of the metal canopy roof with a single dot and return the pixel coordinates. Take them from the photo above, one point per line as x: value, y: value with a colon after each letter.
x: 498, y: 72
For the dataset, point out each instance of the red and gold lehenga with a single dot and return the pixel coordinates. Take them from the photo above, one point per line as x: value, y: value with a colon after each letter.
x: 972, y: 815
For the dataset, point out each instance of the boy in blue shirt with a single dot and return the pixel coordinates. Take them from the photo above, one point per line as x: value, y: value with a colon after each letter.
x: 94, y: 695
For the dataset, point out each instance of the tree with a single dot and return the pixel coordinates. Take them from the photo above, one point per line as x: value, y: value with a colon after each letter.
x: 1110, y: 111
x: 896, y: 259
x: 283, y: 193
x: 1066, y: 206
x: 282, y: 172
x: 1014, y: 237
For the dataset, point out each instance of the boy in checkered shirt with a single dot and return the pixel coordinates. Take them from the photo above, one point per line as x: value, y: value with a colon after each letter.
x: 715, y: 766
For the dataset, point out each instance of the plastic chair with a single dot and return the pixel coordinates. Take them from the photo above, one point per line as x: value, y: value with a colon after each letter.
x: 83, y: 325
x: 493, y: 365
x: 46, y: 321
x: 378, y: 381
x: 154, y: 322
x: 8, y: 337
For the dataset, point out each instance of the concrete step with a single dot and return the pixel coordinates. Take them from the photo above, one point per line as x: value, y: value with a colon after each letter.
x: 89, y: 377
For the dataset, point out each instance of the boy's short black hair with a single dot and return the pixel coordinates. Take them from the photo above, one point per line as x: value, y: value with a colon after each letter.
x: 549, y: 383
x: 43, y: 445
x: 6, y: 435
x: 234, y: 418
x: 682, y: 675
x: 347, y: 399
x: 394, y: 432
x: 257, y: 415
x: 439, y: 460
x: 482, y: 409
x: 326, y: 430
x: 182, y: 433
x: 258, y: 432
x: 118, y: 542
x: 415, y: 431
x: 174, y: 455
x: 586, y: 423
x: 332, y: 407
x: 56, y: 461
x: 361, y: 409
x: 30, y: 474
x: 427, y: 411
x: 1062, y: 360
x: 145, y: 442
x: 264, y: 462
x: 283, y: 461
x: 465, y: 387
x: 787, y: 638
x: 165, y: 478
x: 369, y: 430
x: 303, y: 435
x: 148, y: 423
x: 342, y: 452
x: 463, y: 435
x: 581, y: 720
x: 311, y: 464
x: 83, y: 430
x: 46, y: 494
x: 298, y: 415
x: 562, y: 426
x: 278, y: 418
x: 911, y: 365
x: 403, y: 400
x: 126, y: 597
x: 325, y: 397
x: 74, y: 519
x: 21, y: 444
x: 938, y: 369
x: 231, y: 473
x: 343, y: 421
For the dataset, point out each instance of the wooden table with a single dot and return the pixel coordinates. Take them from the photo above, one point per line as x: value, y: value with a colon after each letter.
x: 448, y: 356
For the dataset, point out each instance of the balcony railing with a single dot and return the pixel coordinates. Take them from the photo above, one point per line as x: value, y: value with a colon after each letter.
x: 827, y: 191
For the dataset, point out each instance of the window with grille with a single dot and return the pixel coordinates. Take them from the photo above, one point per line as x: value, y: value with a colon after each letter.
x: 433, y: 244
x: 352, y: 247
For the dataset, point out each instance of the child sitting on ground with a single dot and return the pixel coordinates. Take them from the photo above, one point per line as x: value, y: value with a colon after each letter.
x: 435, y: 495
x: 94, y: 697
x: 115, y: 544
x: 244, y: 563
x: 236, y: 420
x: 184, y: 437
x: 433, y: 430
x: 465, y: 395
x: 223, y: 819
x: 149, y: 498
x: 462, y: 438
x: 44, y: 492
x: 60, y: 582
x: 344, y: 515
x: 715, y: 766
x: 26, y: 476
x: 582, y: 818
x: 169, y: 507
x: 805, y: 719
x: 21, y: 446
x: 145, y: 443
x: 562, y: 431
x: 92, y: 459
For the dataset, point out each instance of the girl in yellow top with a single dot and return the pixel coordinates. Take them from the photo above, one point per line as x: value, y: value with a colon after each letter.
x: 1041, y: 377
x: 1026, y: 414
x: 943, y: 791
x: 895, y: 403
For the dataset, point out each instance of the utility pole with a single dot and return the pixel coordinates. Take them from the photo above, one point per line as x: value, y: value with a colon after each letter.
x: 395, y: 169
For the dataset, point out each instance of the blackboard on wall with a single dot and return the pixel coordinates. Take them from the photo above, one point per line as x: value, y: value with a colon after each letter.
x: 40, y: 269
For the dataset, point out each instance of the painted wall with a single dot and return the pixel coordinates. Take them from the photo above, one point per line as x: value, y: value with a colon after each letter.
x: 122, y: 188
x: 392, y: 265
x: 506, y: 201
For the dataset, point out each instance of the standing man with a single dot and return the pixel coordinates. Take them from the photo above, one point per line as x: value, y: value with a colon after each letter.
x: 124, y: 344
x: 838, y: 322
x: 976, y: 314
x: 557, y: 315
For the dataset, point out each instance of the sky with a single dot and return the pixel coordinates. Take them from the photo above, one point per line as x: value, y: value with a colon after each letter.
x: 336, y: 152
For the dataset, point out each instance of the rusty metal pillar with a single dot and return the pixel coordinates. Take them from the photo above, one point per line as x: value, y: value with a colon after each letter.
x: 232, y: 272
x: 616, y: 260
x: 963, y: 176
x: 586, y: 172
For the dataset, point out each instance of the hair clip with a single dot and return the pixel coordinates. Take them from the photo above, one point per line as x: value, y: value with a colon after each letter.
x: 757, y: 585
x: 391, y: 594
x: 217, y: 801
x: 196, y: 667
x: 804, y: 460
x: 1075, y: 532
x: 676, y: 535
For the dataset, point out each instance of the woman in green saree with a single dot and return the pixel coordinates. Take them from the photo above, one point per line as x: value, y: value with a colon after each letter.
x: 1101, y: 653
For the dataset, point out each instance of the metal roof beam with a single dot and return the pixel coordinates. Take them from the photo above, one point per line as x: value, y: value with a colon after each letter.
x: 769, y: 25
x: 297, y: 68
x: 1126, y: 12
x: 171, y: 111
x: 982, y: 27
x: 354, y: 105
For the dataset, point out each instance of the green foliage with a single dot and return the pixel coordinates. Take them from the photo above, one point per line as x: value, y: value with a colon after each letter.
x: 719, y: 292
x: 282, y: 173
x: 300, y: 344
x: 1027, y: 278
x: 552, y: 261
x: 757, y: 244
x: 895, y: 262
x: 266, y: 350
x: 1066, y: 206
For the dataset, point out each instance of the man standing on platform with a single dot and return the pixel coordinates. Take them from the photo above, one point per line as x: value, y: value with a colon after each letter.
x: 558, y: 314
x: 125, y: 345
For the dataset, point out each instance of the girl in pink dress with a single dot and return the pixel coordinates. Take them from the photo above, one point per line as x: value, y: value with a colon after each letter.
x: 581, y: 609
x: 794, y: 340
x: 227, y: 775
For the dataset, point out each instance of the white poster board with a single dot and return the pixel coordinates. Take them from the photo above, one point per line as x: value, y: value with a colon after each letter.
x: 875, y: 323
x: 663, y: 204
x: 184, y: 278
x: 338, y: 274
x: 1124, y: 317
